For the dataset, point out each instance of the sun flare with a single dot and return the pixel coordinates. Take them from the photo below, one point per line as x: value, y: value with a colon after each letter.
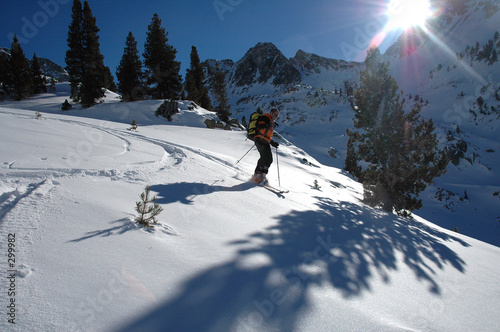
x: 405, y: 14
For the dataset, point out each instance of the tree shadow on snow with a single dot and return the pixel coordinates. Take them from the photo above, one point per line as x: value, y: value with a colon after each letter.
x: 123, y: 226
x: 343, y: 245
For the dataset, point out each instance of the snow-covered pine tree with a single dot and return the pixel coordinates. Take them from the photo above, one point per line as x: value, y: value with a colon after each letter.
x: 219, y: 89
x: 162, y: 71
x: 399, y: 150
x: 147, y: 208
x: 129, y: 73
x: 194, y: 84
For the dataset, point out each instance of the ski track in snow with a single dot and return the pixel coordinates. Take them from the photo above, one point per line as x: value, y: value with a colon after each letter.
x: 170, y: 151
x: 21, y: 212
x: 9, y: 200
x: 173, y: 157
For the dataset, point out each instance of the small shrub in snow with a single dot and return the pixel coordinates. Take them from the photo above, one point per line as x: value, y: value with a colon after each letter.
x: 147, y: 208
x: 66, y: 106
x: 133, y: 125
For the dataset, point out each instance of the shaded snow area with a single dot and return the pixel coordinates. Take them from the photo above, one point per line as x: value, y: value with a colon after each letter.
x: 226, y: 255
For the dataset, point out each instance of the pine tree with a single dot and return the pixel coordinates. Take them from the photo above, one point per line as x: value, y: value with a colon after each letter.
x: 129, y: 73
x: 19, y: 80
x: 75, y: 55
x: 399, y: 149
x: 352, y: 159
x: 162, y: 71
x: 66, y: 106
x: 190, y: 84
x: 4, y: 75
x: 52, y: 85
x: 94, y: 77
x: 194, y: 85
x: 494, y: 56
x: 147, y: 212
x: 109, y: 80
x: 133, y: 126
x: 218, y: 87
x: 39, y: 81
x: 85, y: 63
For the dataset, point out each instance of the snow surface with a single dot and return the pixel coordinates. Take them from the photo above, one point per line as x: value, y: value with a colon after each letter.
x: 227, y: 255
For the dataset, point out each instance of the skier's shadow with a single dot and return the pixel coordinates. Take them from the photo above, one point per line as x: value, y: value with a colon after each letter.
x: 185, y: 192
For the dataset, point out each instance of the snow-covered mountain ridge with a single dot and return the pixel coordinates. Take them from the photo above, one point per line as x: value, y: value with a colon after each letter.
x: 227, y: 255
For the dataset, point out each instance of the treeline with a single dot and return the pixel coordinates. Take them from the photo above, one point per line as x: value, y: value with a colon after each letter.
x: 155, y: 77
x: 20, y: 78
x: 487, y: 52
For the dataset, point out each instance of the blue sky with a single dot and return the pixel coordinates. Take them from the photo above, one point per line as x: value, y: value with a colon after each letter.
x: 220, y: 29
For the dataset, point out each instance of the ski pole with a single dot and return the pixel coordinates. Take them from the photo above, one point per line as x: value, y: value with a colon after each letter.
x: 278, y: 165
x: 245, y: 154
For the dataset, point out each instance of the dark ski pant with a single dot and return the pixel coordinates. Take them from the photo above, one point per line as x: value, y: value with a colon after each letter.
x: 266, y: 157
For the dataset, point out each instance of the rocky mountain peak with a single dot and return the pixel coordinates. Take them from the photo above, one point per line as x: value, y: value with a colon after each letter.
x: 262, y: 63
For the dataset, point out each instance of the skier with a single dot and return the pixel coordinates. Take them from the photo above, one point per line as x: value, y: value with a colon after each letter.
x: 263, y: 141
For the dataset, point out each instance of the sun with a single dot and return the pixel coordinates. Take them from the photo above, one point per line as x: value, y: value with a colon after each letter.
x: 405, y: 14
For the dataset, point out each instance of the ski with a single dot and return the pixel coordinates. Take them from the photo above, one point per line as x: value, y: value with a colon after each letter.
x: 273, y: 189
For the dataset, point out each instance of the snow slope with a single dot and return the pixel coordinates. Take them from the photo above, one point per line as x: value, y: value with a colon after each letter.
x: 227, y: 255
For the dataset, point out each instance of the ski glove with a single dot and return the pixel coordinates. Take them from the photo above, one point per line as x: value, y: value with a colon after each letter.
x: 275, y: 144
